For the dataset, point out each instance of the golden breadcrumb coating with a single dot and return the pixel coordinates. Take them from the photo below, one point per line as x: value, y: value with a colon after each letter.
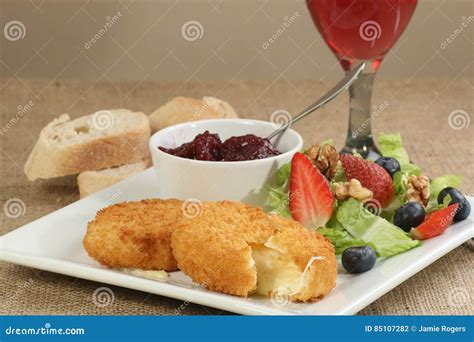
x: 134, y: 235
x: 215, y: 250
x: 213, y: 247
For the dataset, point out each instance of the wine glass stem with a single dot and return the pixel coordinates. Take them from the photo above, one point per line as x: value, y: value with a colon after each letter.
x: 359, y: 135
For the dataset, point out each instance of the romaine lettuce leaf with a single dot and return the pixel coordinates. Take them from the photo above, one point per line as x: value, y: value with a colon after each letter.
x: 389, y: 211
x: 400, y: 180
x: 339, y: 176
x: 434, y: 206
x: 386, y: 238
x: 326, y: 142
x: 340, y: 239
x: 438, y: 184
x: 283, y: 174
x: 411, y: 169
x: 391, y: 146
x: 278, y: 200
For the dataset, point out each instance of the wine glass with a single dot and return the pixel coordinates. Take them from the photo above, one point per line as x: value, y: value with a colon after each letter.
x: 361, y: 30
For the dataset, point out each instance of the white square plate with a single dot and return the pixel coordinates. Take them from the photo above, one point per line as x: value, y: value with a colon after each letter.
x: 54, y: 243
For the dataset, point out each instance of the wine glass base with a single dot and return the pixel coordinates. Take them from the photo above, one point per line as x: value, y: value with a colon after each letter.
x: 367, y: 150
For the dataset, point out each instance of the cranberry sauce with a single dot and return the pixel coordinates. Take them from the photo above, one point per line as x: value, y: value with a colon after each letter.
x: 208, y: 146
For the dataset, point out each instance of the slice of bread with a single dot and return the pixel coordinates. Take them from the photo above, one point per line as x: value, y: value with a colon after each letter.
x: 184, y: 109
x: 220, y: 106
x: 97, y: 141
x: 93, y: 181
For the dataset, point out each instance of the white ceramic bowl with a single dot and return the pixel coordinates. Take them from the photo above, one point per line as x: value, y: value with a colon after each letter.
x: 188, y: 179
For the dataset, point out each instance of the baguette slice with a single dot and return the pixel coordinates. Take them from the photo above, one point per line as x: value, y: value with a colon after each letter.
x: 184, y: 109
x: 93, y: 181
x: 101, y: 140
x: 220, y: 106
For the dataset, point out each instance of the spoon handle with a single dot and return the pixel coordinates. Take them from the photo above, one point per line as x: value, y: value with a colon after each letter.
x: 331, y: 94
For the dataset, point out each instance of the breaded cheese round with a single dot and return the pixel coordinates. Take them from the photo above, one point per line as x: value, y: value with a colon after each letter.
x: 237, y: 249
x: 312, y: 253
x: 134, y: 234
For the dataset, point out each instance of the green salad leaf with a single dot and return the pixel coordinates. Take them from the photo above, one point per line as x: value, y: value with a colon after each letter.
x: 326, y: 142
x: 438, y: 184
x: 278, y: 193
x: 339, y: 176
x: 400, y: 180
x: 386, y: 238
x: 283, y: 174
x: 340, y: 239
x: 391, y: 146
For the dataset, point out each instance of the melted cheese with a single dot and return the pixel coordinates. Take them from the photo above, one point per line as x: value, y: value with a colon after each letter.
x: 149, y: 274
x: 275, y: 271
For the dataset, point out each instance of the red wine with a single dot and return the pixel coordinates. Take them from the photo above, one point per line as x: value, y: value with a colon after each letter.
x: 361, y: 29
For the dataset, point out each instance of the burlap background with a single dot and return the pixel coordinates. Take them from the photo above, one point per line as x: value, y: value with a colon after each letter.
x: 419, y: 109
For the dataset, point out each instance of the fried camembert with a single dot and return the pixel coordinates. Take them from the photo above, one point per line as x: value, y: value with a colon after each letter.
x: 228, y: 247
x: 135, y: 235
x: 237, y: 249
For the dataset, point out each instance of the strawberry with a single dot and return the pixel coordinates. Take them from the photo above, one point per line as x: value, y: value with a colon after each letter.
x: 372, y: 176
x: 435, y: 223
x: 311, y: 198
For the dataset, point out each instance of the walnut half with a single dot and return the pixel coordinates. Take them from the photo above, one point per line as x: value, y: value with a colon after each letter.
x: 418, y: 189
x: 324, y: 158
x: 352, y: 189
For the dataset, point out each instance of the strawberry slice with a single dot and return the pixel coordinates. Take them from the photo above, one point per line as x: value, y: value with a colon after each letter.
x: 435, y: 223
x: 372, y: 176
x: 311, y: 198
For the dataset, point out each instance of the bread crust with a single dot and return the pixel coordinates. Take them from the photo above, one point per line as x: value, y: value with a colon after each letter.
x: 184, y: 109
x: 49, y: 161
x: 134, y: 235
x: 90, y: 182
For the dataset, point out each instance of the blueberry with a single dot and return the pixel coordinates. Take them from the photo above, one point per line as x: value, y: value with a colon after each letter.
x: 408, y: 216
x: 391, y: 165
x: 358, y: 259
x: 464, y: 208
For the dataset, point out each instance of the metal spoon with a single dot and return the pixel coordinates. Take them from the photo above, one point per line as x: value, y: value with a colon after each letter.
x: 331, y: 94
